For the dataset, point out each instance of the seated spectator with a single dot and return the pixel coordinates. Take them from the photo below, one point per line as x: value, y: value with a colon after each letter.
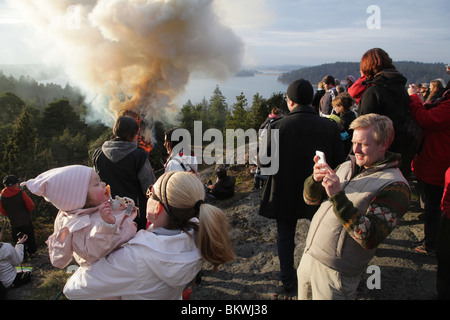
x: 224, y: 186
x: 10, y: 258
x: 258, y: 178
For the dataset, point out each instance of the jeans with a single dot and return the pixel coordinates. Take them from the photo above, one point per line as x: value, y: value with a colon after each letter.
x: 286, y: 246
x: 433, y: 214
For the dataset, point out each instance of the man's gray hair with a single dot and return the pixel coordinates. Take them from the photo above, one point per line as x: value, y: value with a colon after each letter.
x: 383, y: 126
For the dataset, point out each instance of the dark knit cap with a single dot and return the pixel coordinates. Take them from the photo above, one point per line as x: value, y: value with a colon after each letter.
x: 301, y: 92
x: 10, y: 180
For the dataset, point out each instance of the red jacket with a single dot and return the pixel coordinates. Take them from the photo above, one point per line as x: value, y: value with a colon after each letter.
x: 9, y: 192
x: 433, y: 159
x: 357, y: 89
x: 445, y: 205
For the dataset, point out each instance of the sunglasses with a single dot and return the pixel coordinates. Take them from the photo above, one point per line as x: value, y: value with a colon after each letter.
x: 151, y: 194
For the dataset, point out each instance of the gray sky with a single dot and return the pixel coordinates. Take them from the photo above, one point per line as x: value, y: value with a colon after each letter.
x: 304, y: 32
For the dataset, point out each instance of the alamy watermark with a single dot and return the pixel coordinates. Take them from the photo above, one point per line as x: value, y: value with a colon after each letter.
x: 241, y: 147
x: 374, y: 20
x: 374, y: 280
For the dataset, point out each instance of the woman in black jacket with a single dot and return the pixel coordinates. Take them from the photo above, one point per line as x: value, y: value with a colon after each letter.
x: 386, y: 94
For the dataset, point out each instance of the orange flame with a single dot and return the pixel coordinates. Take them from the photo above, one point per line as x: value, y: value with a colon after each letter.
x: 141, y: 141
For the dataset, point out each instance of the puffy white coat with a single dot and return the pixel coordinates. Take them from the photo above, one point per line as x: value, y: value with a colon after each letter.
x: 153, y: 265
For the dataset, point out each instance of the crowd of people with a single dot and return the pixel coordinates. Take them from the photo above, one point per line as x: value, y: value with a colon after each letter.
x: 138, y: 236
x: 382, y: 132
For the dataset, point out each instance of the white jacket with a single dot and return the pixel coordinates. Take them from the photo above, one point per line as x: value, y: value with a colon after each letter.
x: 10, y: 257
x: 153, y: 265
x: 181, y: 163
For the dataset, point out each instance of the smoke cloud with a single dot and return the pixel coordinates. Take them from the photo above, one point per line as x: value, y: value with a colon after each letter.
x: 134, y: 55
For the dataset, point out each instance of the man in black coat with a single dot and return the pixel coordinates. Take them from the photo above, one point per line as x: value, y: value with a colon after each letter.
x: 301, y: 133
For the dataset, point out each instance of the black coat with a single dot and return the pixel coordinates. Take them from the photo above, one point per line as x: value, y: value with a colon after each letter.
x: 301, y: 133
x: 386, y: 94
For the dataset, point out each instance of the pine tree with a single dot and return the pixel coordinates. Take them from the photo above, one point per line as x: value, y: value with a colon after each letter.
x: 238, y: 118
x: 218, y: 110
x: 20, y: 149
x: 258, y: 111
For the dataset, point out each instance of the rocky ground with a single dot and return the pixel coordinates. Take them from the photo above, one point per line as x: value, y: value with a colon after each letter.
x: 405, y: 275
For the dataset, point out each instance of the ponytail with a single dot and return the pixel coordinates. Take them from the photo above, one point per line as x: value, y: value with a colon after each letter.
x: 182, y: 195
x: 213, y: 239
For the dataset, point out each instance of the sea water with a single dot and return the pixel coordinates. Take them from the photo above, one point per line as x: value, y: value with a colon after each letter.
x: 265, y: 83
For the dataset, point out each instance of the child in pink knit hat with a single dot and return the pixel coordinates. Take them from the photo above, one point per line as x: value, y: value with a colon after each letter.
x: 89, y: 224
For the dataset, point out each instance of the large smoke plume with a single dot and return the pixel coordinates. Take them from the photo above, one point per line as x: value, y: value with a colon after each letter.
x: 133, y: 55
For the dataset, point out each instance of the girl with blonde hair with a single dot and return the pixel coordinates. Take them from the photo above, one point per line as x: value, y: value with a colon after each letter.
x: 160, y: 261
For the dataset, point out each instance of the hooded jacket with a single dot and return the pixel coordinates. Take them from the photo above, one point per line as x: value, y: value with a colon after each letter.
x: 386, y: 94
x: 126, y: 168
x: 154, y: 265
x: 83, y: 234
x: 16, y: 205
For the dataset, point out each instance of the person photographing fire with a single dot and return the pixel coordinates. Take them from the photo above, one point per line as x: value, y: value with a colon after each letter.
x: 367, y: 197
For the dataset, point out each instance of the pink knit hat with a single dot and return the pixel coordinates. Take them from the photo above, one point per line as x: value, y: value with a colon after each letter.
x: 66, y: 187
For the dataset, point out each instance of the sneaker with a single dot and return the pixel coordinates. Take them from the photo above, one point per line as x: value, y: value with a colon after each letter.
x: 283, y: 294
x: 422, y: 249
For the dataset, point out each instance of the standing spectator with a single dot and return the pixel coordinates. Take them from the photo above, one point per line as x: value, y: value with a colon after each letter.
x: 358, y: 88
x: 386, y: 94
x: 275, y: 114
x: 349, y: 81
x: 342, y: 106
x: 178, y: 161
x: 425, y: 91
x: 436, y: 90
x: 125, y: 167
x: 17, y: 206
x: 443, y: 249
x: 432, y: 160
x: 301, y: 132
x: 367, y: 196
x: 331, y: 93
x: 318, y: 97
x: 10, y: 258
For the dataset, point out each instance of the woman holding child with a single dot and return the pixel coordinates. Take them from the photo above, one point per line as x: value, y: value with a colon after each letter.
x: 159, y: 262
